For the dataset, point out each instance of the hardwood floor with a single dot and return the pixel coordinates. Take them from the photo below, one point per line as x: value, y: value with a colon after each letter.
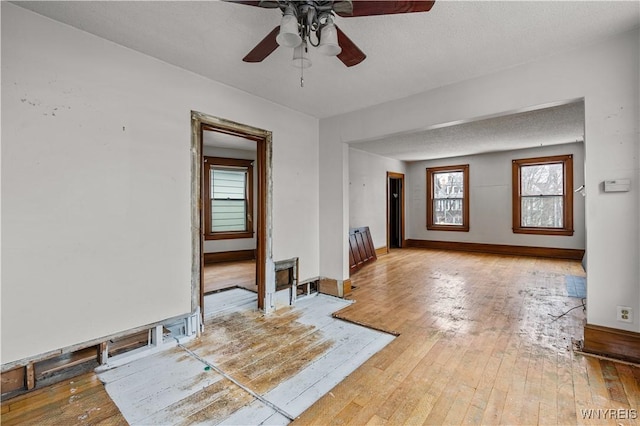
x: 479, y: 343
x: 223, y: 275
x: 289, y: 358
x: 78, y: 401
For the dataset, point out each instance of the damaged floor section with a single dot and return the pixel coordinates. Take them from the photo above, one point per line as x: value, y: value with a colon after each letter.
x: 282, y: 363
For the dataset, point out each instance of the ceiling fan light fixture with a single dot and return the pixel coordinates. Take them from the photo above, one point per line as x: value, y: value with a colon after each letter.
x: 311, y: 22
x: 289, y: 35
x: 301, y: 56
x: 329, y: 40
x: 343, y: 7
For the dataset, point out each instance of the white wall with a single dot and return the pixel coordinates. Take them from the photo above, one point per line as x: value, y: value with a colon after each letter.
x: 334, y: 203
x: 368, y: 192
x: 490, y: 202
x: 96, y: 183
x: 606, y: 76
x: 233, y: 244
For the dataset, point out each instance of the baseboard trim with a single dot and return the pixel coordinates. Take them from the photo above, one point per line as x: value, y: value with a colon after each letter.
x: 550, y: 252
x: 381, y: 251
x: 229, y: 256
x: 612, y: 342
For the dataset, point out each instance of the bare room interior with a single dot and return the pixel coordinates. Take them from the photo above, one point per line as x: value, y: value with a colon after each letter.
x: 320, y: 212
x: 224, y: 271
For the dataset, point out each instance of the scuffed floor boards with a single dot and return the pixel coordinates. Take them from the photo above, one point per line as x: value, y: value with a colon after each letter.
x: 290, y: 359
x: 233, y: 300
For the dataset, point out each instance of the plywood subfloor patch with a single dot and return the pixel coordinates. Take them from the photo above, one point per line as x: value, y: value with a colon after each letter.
x: 290, y: 358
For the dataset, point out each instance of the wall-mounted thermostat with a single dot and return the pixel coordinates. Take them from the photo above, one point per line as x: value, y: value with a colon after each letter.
x: 617, y: 185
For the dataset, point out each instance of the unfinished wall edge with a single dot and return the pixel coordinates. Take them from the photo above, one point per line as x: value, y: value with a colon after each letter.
x: 23, y: 362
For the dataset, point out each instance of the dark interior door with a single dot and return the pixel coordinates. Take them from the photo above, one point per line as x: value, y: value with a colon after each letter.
x: 395, y: 212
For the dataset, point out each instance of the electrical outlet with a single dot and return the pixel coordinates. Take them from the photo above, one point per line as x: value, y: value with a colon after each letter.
x: 624, y: 314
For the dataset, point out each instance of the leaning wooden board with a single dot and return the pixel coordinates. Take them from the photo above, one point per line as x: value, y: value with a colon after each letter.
x: 361, y: 248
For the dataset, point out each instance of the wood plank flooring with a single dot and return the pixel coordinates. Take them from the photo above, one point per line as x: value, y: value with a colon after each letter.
x: 233, y: 300
x: 78, y: 401
x: 479, y: 343
x: 274, y: 366
x: 223, y: 275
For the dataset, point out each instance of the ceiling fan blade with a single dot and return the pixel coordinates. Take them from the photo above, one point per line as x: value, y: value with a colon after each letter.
x: 351, y: 54
x: 264, y: 48
x: 384, y: 7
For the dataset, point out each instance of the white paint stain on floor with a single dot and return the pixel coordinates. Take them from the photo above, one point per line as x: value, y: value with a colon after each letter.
x: 175, y: 387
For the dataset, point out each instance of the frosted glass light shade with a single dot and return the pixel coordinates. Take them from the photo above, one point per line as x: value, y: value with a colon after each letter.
x: 301, y: 56
x: 329, y: 40
x: 288, y: 35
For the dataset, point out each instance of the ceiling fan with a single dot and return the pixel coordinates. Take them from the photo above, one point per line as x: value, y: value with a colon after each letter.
x: 310, y: 22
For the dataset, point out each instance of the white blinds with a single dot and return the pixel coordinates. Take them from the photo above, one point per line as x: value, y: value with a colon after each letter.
x: 228, y: 200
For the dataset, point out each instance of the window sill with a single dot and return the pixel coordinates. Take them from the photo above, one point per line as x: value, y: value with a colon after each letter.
x: 228, y: 235
x: 543, y: 231
x: 458, y: 228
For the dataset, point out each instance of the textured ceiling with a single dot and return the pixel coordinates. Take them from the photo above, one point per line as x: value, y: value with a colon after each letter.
x: 547, y: 126
x: 406, y: 54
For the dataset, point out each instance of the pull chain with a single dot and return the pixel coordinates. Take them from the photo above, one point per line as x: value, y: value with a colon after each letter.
x: 302, y: 66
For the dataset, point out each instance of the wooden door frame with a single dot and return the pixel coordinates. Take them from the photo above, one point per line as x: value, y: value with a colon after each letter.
x: 400, y: 176
x: 263, y: 138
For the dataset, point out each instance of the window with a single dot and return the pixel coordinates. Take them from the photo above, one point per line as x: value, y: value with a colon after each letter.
x: 228, y: 198
x: 448, y: 198
x: 543, y: 195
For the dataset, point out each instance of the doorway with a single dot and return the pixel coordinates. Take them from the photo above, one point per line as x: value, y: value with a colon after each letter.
x: 228, y: 200
x: 395, y: 210
x: 206, y: 127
